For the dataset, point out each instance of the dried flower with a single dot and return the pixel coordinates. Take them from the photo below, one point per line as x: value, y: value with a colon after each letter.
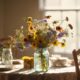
x: 48, y: 17
x: 70, y: 26
x: 67, y: 19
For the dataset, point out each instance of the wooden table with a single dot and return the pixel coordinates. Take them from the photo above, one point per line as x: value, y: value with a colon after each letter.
x: 19, y: 73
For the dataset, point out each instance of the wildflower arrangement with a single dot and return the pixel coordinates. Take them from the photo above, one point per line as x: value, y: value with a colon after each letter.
x: 42, y: 33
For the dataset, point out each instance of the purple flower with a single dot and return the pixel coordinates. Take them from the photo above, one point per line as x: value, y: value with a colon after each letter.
x: 60, y: 35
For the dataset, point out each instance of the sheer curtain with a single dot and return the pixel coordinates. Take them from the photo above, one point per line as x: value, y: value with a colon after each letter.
x: 59, y: 9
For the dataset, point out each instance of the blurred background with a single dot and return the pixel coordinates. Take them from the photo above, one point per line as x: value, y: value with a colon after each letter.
x: 13, y: 12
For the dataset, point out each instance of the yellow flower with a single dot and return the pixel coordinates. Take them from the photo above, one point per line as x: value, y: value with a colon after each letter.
x: 27, y: 58
x: 31, y: 29
x: 29, y: 19
x: 35, y: 35
x: 29, y: 23
x: 56, y: 43
x: 34, y: 44
x: 62, y: 44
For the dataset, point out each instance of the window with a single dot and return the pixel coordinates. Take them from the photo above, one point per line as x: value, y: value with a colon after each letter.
x: 59, y: 9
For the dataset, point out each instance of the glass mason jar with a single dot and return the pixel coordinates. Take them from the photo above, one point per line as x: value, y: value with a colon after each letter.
x: 7, y: 57
x: 41, y: 60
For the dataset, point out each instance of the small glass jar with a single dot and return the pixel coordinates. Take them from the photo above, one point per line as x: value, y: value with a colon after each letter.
x: 7, y: 57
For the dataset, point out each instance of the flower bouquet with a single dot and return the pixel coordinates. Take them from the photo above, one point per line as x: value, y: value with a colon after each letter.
x: 41, y: 34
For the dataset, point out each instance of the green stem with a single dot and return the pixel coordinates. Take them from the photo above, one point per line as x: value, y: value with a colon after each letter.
x: 43, y: 61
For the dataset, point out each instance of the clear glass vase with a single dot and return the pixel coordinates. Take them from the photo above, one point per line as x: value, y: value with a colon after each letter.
x: 41, y: 60
x: 7, y: 57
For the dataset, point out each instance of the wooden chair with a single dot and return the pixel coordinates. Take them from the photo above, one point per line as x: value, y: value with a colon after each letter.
x: 75, y: 57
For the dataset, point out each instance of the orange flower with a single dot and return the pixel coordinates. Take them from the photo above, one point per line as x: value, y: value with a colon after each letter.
x: 59, y: 28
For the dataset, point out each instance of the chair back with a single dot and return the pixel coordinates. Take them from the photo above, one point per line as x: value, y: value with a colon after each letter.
x: 75, y: 57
